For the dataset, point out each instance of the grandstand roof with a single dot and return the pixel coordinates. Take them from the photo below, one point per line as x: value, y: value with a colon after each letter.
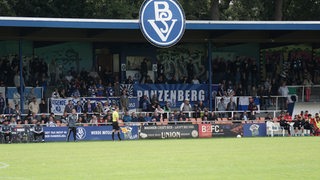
x: 118, y: 30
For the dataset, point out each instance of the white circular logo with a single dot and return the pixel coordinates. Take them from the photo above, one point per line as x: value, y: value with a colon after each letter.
x: 194, y: 133
x: 162, y: 22
x: 81, y: 133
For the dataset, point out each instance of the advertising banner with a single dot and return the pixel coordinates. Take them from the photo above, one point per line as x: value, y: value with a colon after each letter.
x: 174, y: 93
x: 205, y: 130
x: 254, y: 129
x: 226, y: 130
x: 169, y: 131
x: 87, y: 133
x: 219, y: 130
x: 58, y: 105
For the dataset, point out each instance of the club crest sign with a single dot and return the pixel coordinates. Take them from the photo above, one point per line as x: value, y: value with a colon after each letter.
x: 162, y: 22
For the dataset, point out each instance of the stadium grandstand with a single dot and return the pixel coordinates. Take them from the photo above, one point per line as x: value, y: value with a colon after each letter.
x: 228, y: 74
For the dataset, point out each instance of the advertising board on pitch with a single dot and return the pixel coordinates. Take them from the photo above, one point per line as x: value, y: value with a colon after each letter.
x: 169, y: 131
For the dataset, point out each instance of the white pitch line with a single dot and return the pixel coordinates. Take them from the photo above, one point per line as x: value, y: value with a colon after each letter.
x: 3, y: 165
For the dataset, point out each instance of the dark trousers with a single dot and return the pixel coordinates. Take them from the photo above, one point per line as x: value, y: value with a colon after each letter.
x: 74, y: 132
x: 36, y: 135
x: 6, y: 135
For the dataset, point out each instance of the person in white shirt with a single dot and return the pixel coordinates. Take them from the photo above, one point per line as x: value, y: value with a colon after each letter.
x: 283, y: 92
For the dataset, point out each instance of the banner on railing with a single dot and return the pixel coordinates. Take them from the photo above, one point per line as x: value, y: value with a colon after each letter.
x: 29, y: 92
x: 243, y: 102
x: 169, y: 131
x: 58, y: 105
x: 174, y: 93
x: 86, y: 133
x: 220, y: 130
x: 254, y: 129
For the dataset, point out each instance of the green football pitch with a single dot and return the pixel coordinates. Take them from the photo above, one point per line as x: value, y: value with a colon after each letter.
x: 222, y: 158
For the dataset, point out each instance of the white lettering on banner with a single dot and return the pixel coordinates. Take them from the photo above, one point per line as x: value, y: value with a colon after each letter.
x: 215, y: 128
x: 179, y: 95
x: 170, y: 135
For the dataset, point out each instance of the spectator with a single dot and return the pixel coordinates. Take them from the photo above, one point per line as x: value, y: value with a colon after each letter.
x: 283, y: 91
x: 38, y: 132
x: 98, y: 109
x: 92, y: 90
x: 43, y: 106
x: 126, y: 117
x: 143, y: 71
x: 6, y: 132
x: 285, y: 125
x: 124, y: 101
x: 17, y: 82
x: 144, y: 103
x: 307, y: 83
x: 55, y: 93
x: 63, y: 93
x: 298, y: 126
x: 141, y: 118
x: 43, y: 119
x: 288, y: 117
x: 100, y: 88
x: 116, y: 86
x: 213, y: 116
x: 88, y: 107
x: 68, y: 108
x: 156, y: 117
x: 17, y: 112
x: 106, y: 107
x: 231, y: 106
x: 149, y: 80
x: 134, y: 117
x: 34, y: 106
x: 222, y: 107
x: 9, y: 110
x: 195, y: 80
x: 109, y: 90
x: 186, y: 106
x: 159, y: 110
x: 2, y: 102
x: 79, y: 107
x: 252, y: 107
x: 129, y: 80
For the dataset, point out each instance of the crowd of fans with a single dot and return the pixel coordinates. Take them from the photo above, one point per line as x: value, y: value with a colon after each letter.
x: 235, y: 78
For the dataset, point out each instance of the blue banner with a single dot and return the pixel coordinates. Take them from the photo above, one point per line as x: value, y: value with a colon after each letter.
x: 254, y: 129
x: 87, y: 133
x: 174, y: 93
x: 58, y: 105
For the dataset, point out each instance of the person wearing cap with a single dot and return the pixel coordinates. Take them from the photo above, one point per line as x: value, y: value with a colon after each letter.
x: 6, y: 131
x: 38, y: 132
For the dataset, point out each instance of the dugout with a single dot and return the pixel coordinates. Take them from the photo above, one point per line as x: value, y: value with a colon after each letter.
x: 117, y: 46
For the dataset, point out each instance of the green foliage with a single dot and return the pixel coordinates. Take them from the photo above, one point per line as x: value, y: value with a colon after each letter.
x: 194, y: 9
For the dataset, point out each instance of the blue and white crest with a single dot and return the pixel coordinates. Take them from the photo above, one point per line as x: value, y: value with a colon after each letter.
x: 81, y: 133
x: 162, y: 22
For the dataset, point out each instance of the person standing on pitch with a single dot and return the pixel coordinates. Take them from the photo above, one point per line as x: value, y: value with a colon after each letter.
x: 115, y: 125
x: 72, y: 120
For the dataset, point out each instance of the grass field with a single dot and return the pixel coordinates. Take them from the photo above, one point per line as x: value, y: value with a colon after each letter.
x: 223, y: 158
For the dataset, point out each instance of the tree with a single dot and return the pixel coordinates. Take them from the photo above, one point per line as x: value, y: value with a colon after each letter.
x: 278, y: 10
